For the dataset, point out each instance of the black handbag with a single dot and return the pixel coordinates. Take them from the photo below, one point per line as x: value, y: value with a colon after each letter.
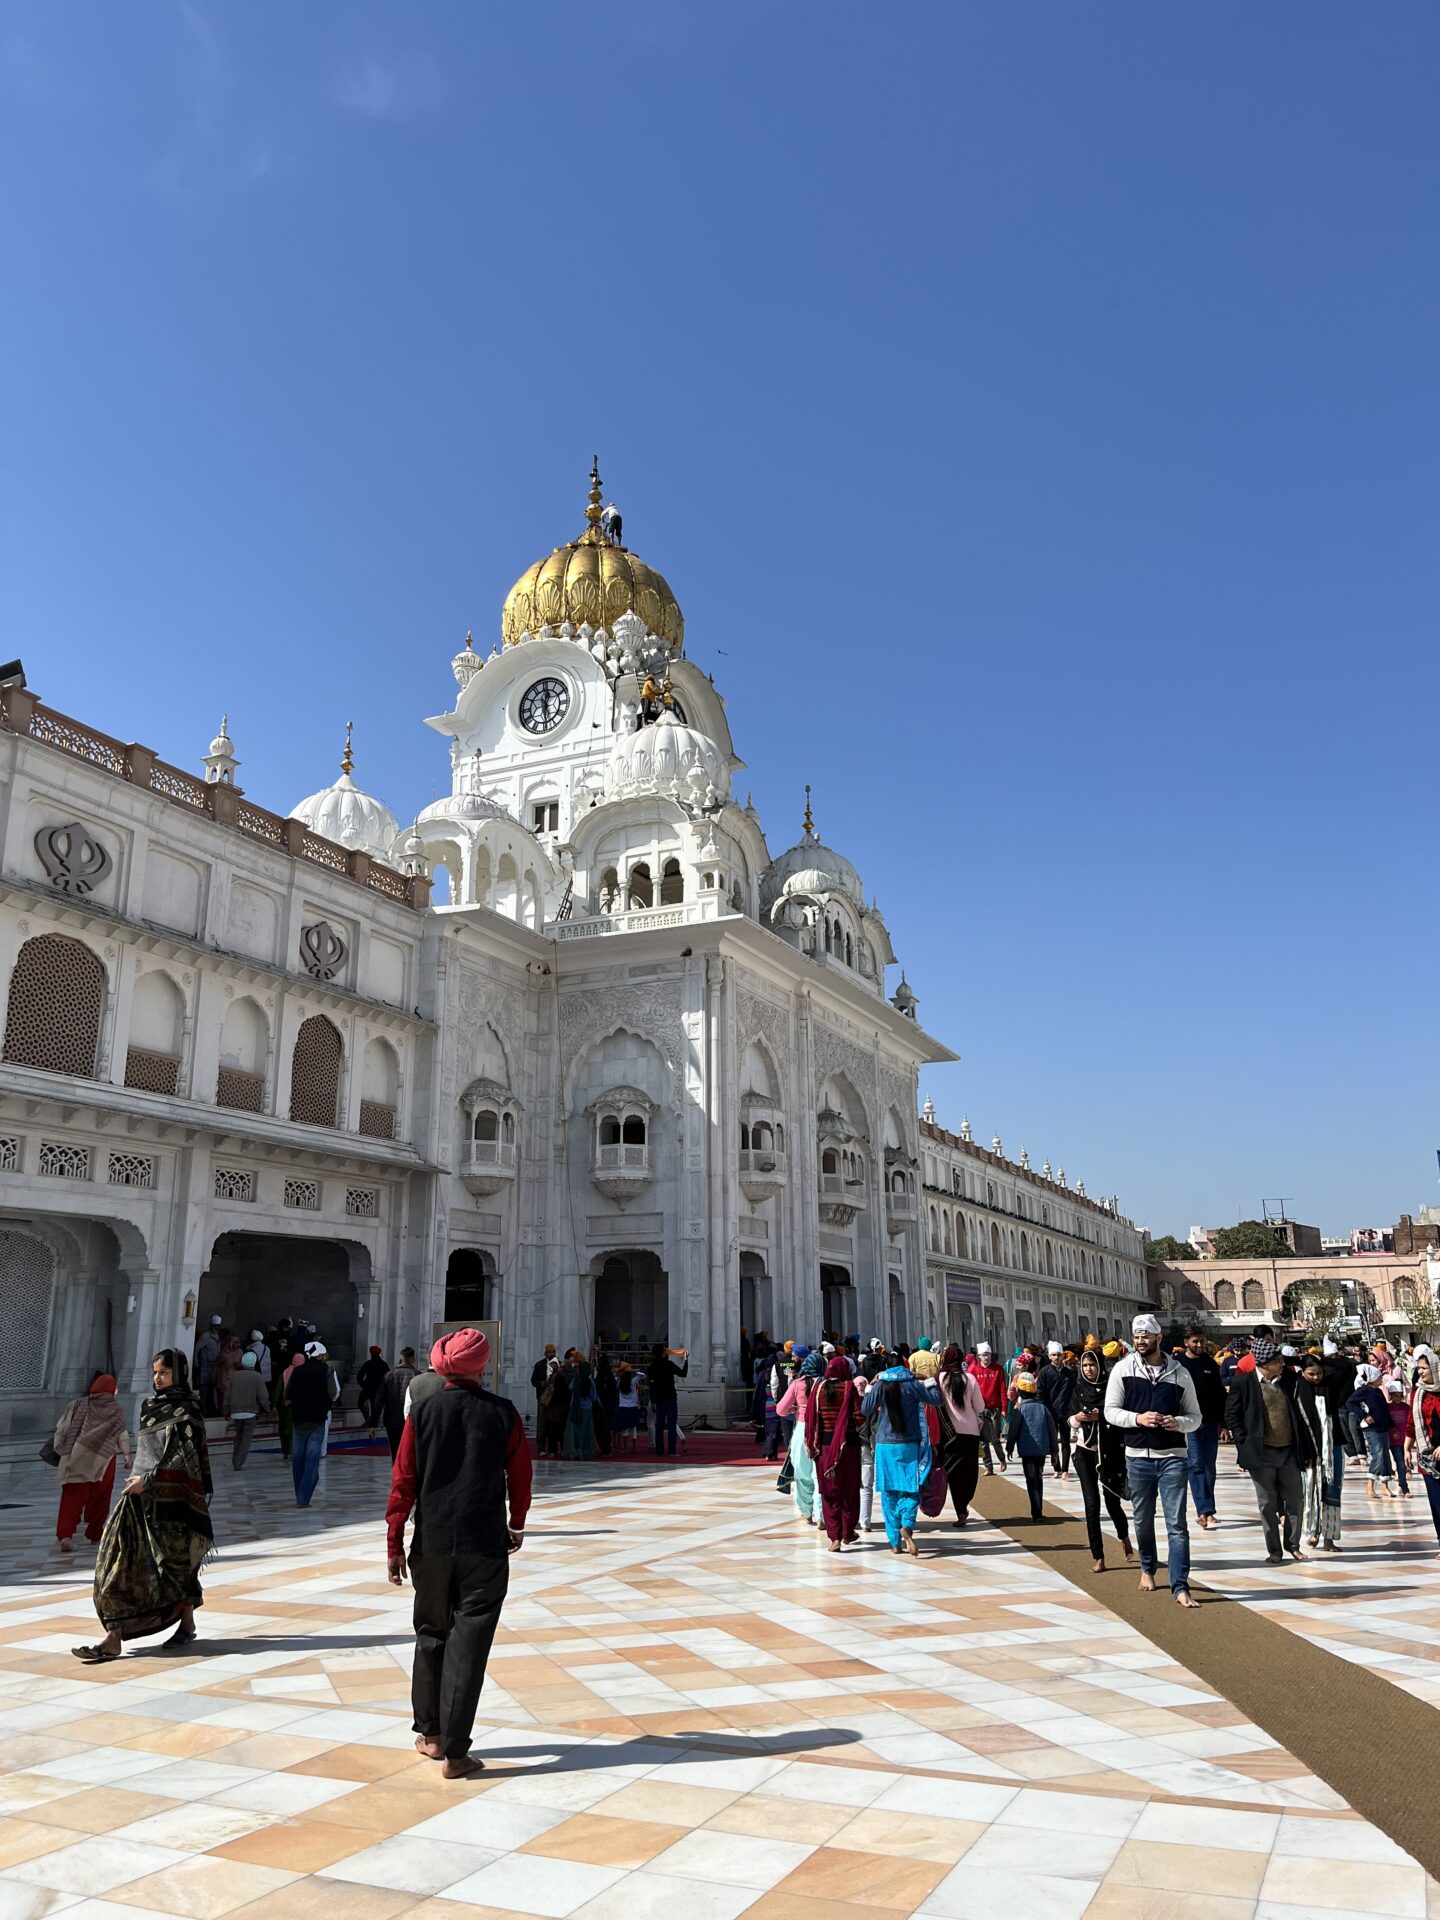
x: 49, y: 1455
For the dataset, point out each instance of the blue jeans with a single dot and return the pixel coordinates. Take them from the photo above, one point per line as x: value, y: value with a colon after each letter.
x: 1397, y: 1454
x: 1202, y: 1447
x: 1169, y: 1478
x: 667, y: 1414
x: 1377, y: 1446
x: 308, y: 1450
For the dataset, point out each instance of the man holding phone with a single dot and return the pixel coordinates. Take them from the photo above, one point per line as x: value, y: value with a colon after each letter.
x: 464, y: 1468
x: 1152, y: 1397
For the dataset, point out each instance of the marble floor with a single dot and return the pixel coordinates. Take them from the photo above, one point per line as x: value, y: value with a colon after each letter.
x: 692, y: 1710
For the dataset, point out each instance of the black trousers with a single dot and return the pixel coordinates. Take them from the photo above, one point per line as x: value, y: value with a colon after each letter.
x: 392, y: 1434
x: 1060, y: 1454
x: 1034, y: 1465
x: 961, y: 1455
x: 458, y: 1598
x: 1087, y: 1468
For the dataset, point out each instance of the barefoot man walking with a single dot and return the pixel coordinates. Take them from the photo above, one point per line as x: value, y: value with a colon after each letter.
x: 1152, y: 1397
x: 463, y: 1457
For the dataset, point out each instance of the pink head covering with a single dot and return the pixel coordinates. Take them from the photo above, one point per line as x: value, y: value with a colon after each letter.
x: 461, y: 1356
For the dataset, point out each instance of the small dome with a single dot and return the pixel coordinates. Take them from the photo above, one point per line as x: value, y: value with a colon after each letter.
x: 222, y: 745
x: 670, y: 759
x: 812, y: 867
x: 350, y: 817
x: 466, y: 664
x: 591, y: 583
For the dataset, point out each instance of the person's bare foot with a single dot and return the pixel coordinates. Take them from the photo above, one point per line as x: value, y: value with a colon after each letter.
x: 1097, y: 1566
x: 907, y: 1543
x: 465, y: 1768
x: 1129, y: 1552
x: 1147, y: 1583
x: 1184, y: 1598
x: 429, y: 1747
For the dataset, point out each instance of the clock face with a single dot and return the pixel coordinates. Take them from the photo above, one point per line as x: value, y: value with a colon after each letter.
x: 544, y: 705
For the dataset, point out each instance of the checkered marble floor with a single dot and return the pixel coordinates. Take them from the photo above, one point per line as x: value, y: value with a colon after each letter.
x: 692, y: 1709
x: 1376, y: 1603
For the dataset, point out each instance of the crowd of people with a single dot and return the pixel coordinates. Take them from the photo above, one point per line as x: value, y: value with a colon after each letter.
x: 1136, y: 1426
x: 587, y: 1407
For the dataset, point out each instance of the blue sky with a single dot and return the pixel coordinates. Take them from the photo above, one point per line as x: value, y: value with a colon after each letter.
x: 1035, y: 404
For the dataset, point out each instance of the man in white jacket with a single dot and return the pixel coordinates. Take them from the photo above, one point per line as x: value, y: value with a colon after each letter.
x: 1153, y: 1398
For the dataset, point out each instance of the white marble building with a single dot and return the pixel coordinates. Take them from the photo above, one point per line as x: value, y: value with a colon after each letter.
x: 622, y: 1074
x: 1014, y: 1253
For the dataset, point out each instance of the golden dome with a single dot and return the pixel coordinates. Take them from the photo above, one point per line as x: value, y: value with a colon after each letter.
x: 591, y: 582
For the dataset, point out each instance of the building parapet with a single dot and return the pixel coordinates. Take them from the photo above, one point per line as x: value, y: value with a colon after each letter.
x: 23, y: 714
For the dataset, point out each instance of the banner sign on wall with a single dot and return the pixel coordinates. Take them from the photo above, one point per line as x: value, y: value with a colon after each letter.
x: 961, y: 1290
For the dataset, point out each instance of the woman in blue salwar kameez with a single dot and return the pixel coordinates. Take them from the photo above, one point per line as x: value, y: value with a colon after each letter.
x: 896, y: 1402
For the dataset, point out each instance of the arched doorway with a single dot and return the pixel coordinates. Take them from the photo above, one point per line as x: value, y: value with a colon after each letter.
x: 470, y: 1285
x: 255, y: 1279
x: 631, y: 1301
x: 837, y: 1300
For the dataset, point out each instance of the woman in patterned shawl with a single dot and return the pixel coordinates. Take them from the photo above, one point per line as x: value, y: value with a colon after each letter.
x: 158, y: 1538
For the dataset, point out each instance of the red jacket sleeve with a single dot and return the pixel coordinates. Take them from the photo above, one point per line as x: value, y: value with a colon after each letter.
x: 402, y: 1490
x: 517, y: 1473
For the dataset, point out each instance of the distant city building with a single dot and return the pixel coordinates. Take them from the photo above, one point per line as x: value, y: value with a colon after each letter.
x: 1232, y: 1296
x: 1413, y: 1235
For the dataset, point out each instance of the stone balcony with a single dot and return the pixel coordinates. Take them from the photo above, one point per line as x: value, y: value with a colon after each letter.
x: 487, y: 1166
x: 685, y: 913
x: 621, y: 1170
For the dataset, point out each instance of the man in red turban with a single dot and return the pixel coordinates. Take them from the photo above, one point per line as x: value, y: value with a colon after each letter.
x: 463, y: 1468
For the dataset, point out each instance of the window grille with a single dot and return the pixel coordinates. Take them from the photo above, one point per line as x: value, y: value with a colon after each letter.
x: 53, y: 1018
x: 362, y: 1202
x: 234, y: 1183
x: 244, y: 1091
x: 10, y: 1155
x: 315, y: 1073
x: 27, y: 1297
x: 377, y: 1120
x: 61, y: 1161
x: 132, y: 1170
x: 151, y: 1072
x: 304, y: 1194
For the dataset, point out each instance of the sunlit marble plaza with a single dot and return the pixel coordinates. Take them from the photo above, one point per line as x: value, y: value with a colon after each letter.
x: 693, y: 1710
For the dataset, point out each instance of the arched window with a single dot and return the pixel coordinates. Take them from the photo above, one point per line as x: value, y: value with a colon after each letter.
x: 315, y: 1073
x: 632, y: 1132
x: 849, y: 951
x: 608, y: 898
x: 379, y: 1090
x: 829, y: 937
x: 53, y: 1019
x: 672, y: 884
x: 244, y: 1045
x: 744, y: 1138
x: 507, y: 1129
x: 642, y: 890
x: 1025, y: 1252
x: 507, y: 888
x: 949, y: 1233
x: 157, y: 1026
x: 609, y: 1134
x: 487, y: 1124
x: 830, y: 1161
x: 1253, y: 1295
x: 996, y: 1257
x: 934, y: 1231
x: 962, y: 1238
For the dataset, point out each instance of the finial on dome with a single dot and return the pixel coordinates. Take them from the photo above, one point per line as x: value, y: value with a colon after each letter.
x: 220, y: 762
x: 809, y: 821
x: 594, y: 510
x: 347, y: 759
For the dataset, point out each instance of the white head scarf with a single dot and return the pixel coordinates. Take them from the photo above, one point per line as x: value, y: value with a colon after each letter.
x: 1144, y: 1323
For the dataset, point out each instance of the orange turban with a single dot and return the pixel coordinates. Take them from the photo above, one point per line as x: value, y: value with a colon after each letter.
x: 461, y: 1356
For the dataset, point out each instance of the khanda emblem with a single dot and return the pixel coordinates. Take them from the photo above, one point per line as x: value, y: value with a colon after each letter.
x: 322, y: 950
x: 74, y: 860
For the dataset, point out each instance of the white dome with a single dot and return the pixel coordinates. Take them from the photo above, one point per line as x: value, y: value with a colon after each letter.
x: 811, y: 867
x: 352, y: 818
x: 670, y: 759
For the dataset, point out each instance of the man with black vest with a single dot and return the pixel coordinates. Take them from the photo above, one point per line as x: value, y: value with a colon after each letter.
x: 1152, y: 1397
x: 1274, y: 1446
x: 463, y: 1458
